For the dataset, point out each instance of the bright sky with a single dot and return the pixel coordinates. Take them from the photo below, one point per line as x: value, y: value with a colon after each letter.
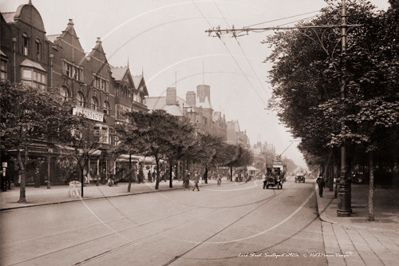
x: 167, y: 39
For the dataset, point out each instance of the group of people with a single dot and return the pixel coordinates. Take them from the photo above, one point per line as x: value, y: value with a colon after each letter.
x: 196, y: 179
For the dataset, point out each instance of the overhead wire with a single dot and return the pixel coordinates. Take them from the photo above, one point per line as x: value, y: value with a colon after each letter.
x: 231, y: 55
x: 242, y: 50
x: 281, y: 18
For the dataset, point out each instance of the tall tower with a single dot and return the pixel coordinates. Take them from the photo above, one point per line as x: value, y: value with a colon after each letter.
x: 203, y: 92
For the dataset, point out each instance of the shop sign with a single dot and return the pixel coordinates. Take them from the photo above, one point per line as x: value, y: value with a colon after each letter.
x: 88, y: 113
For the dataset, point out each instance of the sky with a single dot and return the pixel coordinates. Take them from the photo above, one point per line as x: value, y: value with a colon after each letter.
x: 166, y: 40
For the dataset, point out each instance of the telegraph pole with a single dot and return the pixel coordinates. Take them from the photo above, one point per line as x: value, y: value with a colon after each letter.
x: 344, y: 191
x: 344, y: 194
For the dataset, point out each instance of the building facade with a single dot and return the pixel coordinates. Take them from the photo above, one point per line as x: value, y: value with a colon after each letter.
x: 30, y: 56
x: 235, y: 136
x: 196, y: 107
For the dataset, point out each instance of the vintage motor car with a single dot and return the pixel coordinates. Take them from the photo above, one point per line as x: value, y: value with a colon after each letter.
x: 300, y: 178
x: 274, y: 181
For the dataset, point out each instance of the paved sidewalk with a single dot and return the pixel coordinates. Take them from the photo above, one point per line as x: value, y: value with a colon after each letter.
x: 354, y: 240
x: 59, y: 194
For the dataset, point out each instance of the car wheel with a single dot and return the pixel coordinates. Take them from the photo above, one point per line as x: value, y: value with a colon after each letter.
x: 304, y: 181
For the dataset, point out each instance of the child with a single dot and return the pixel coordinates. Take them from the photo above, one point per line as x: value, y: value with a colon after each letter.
x: 219, y: 180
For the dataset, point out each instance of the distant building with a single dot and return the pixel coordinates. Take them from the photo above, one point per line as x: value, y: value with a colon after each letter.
x: 235, y: 135
x: 197, y: 107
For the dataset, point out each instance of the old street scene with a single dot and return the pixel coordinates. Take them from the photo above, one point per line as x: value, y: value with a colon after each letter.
x: 171, y: 132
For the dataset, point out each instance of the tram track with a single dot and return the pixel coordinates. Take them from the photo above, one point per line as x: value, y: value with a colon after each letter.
x: 142, y: 225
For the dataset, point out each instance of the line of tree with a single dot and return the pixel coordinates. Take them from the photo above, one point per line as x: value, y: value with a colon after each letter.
x: 309, y: 68
x: 169, y: 138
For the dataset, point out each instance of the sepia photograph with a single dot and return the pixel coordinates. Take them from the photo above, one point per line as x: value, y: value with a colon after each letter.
x: 199, y: 132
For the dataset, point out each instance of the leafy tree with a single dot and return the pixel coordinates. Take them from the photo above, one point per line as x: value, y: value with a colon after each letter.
x: 79, y: 137
x: 308, y: 77
x: 157, y: 134
x: 29, y: 115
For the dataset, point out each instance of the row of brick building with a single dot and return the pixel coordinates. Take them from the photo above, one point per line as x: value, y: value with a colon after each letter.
x: 102, y: 91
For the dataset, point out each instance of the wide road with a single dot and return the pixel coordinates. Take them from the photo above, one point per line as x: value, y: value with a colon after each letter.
x: 235, y: 224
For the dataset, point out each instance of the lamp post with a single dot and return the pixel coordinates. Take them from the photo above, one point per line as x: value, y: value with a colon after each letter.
x: 344, y: 192
x: 344, y: 199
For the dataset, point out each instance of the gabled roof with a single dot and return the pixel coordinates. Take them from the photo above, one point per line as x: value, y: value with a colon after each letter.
x: 98, y: 48
x: 137, y: 80
x: 119, y: 72
x: 54, y: 38
x: 139, y: 83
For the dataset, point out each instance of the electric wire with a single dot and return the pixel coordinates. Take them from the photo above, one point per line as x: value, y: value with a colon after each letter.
x: 282, y: 18
x: 231, y: 55
x: 242, y: 50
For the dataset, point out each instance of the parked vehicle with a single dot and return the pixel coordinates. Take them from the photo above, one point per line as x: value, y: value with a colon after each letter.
x: 299, y: 178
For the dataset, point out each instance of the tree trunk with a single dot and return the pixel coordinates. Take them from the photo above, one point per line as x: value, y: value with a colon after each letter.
x: 170, y: 173
x: 81, y: 179
x: 22, y: 167
x: 157, y: 178
x: 371, y: 188
x: 130, y: 171
x: 206, y: 175
x: 231, y: 173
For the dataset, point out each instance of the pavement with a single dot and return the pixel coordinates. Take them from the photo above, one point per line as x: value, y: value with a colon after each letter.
x: 59, y: 194
x: 354, y: 240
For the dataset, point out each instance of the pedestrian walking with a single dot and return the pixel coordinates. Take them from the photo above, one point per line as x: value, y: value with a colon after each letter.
x: 320, y: 182
x: 196, y: 180
x: 264, y: 181
x: 186, y: 181
x: 219, y: 180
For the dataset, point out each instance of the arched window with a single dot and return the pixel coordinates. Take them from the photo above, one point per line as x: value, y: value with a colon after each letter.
x: 38, y: 50
x: 94, y: 103
x: 64, y: 94
x: 106, y: 108
x: 81, y: 99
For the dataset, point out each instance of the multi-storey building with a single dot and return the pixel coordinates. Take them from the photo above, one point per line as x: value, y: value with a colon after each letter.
x: 30, y: 56
x: 235, y: 135
x: 196, y: 107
